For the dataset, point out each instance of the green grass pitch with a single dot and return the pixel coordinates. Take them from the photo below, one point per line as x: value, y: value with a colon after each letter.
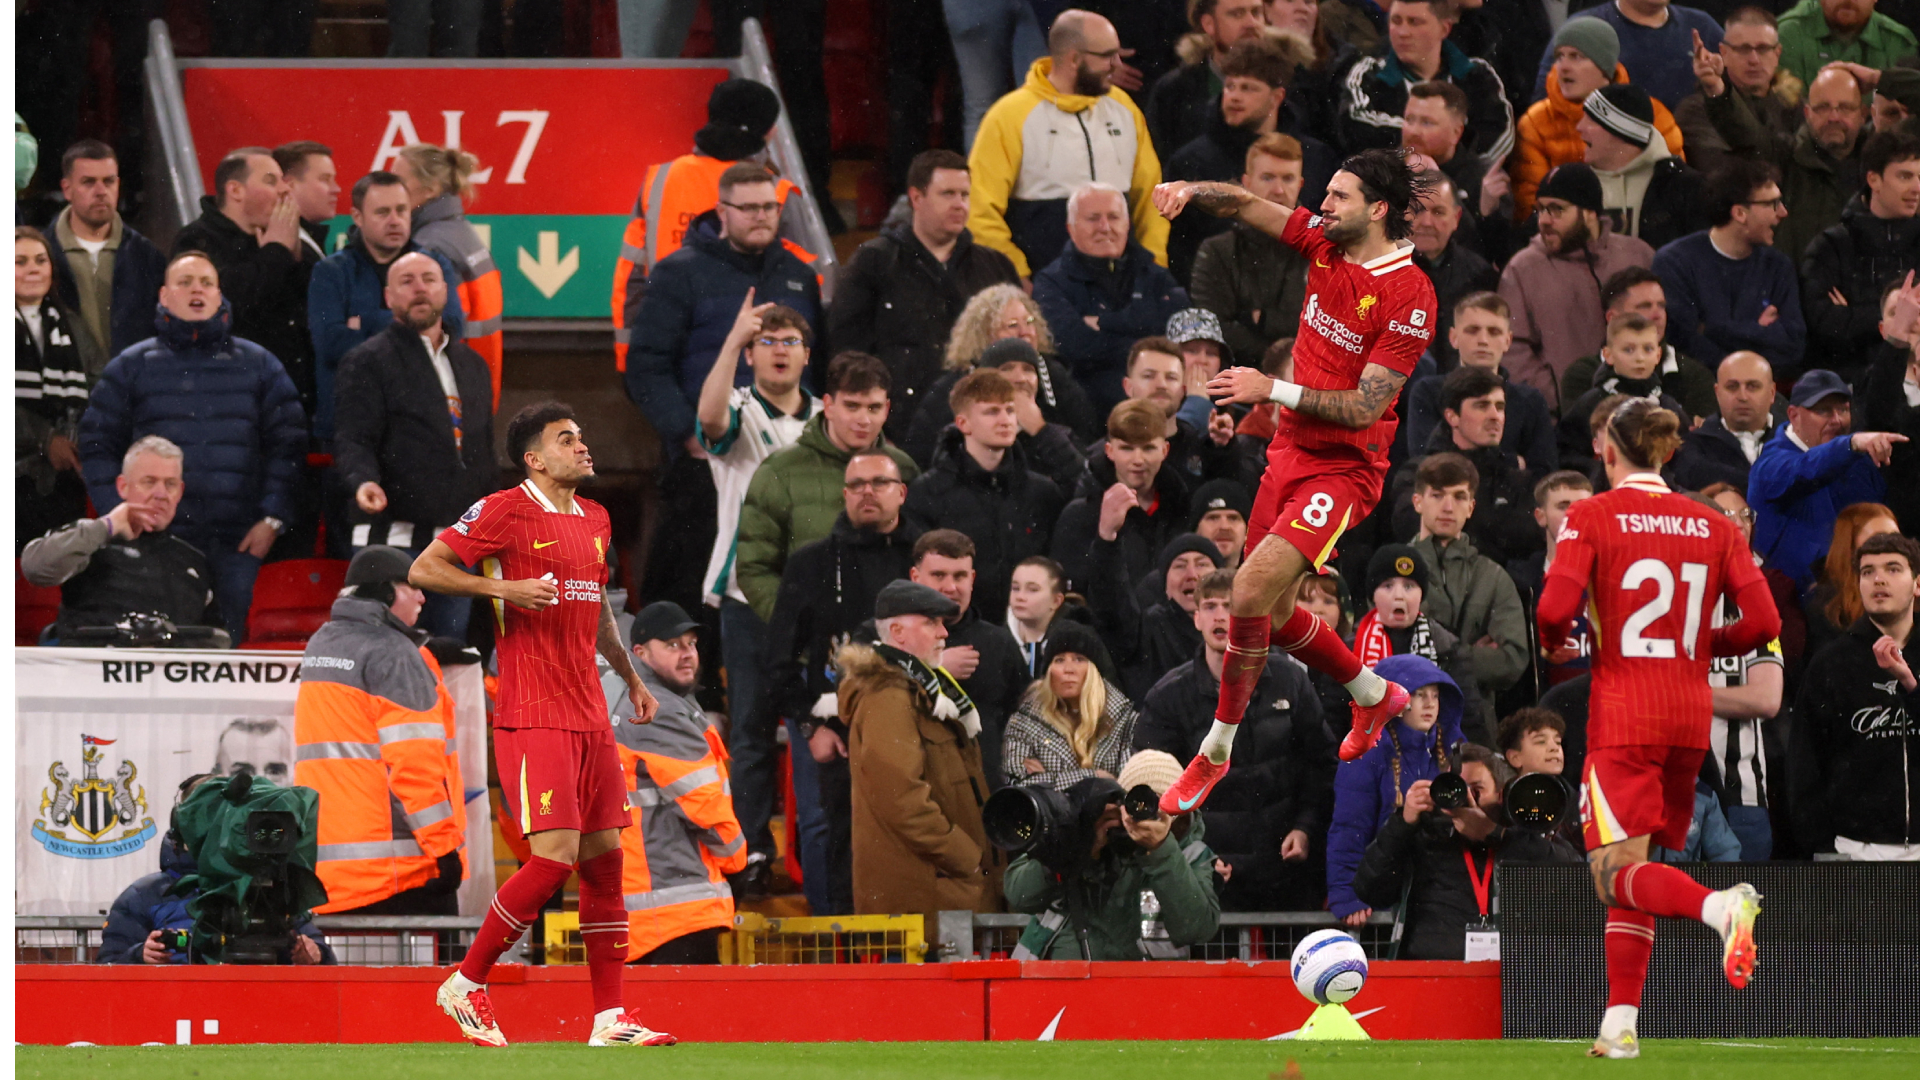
x: 1857, y: 1059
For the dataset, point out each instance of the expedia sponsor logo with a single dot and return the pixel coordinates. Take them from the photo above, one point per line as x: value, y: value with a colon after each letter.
x: 1415, y: 331
x: 1331, y: 328
x: 581, y: 590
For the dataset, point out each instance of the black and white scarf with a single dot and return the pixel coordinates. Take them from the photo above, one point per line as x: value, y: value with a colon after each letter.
x: 949, y: 701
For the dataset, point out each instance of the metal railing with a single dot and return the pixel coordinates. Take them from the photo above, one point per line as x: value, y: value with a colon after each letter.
x: 359, y: 940
x: 1243, y: 935
x: 167, y: 111
x: 756, y: 63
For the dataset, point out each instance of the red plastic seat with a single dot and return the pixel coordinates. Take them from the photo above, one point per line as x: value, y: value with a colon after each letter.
x: 34, y: 608
x: 291, y: 600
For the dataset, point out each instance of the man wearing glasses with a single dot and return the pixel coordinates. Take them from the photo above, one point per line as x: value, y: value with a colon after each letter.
x: 1728, y: 288
x: 694, y: 296
x: 740, y: 427
x: 1746, y: 70
x: 828, y: 589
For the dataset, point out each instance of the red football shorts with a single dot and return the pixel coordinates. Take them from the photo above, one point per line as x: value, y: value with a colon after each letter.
x: 1629, y: 791
x: 558, y: 779
x: 1309, y: 502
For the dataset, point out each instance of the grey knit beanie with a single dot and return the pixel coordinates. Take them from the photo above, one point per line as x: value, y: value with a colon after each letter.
x: 1595, y: 39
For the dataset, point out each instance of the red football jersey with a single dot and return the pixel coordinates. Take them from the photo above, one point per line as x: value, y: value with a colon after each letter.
x: 549, y: 676
x: 1380, y: 312
x: 1655, y: 565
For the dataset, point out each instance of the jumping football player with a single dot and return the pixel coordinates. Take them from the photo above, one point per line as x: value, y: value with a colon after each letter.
x: 1369, y: 315
x: 1656, y: 565
x: 544, y: 552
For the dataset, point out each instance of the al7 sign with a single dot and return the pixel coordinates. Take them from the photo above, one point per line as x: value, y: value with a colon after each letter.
x: 551, y: 140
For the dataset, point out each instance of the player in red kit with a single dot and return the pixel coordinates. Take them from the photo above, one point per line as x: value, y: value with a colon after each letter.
x: 1369, y: 316
x: 543, y: 551
x: 1656, y: 565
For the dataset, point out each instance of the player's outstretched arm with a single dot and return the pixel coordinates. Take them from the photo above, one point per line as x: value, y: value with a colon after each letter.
x: 438, y: 570
x: 617, y: 657
x: 1222, y: 200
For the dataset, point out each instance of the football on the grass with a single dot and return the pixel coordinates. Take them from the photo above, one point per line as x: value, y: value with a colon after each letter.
x: 1329, y: 967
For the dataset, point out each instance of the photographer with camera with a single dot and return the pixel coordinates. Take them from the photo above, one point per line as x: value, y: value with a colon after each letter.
x: 1112, y: 878
x: 149, y: 923
x: 1439, y: 852
x: 128, y: 564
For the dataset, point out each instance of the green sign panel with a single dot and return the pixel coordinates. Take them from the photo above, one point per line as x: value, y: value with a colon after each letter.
x: 552, y: 266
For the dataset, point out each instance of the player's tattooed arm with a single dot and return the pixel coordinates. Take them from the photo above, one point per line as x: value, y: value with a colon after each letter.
x: 1222, y: 200
x: 1360, y: 407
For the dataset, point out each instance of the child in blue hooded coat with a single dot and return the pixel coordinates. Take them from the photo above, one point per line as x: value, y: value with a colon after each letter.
x: 1419, y: 744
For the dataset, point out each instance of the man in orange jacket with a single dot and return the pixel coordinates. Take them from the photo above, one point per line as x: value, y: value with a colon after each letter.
x: 685, y: 839
x: 740, y: 115
x: 375, y: 734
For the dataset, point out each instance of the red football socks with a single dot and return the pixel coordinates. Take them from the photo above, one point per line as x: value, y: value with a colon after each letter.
x: 1629, y: 946
x: 1316, y: 645
x: 514, y: 908
x: 1246, y: 658
x: 603, y: 928
x: 1659, y: 889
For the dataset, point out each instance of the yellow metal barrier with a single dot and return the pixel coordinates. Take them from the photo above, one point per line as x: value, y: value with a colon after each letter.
x: 846, y: 939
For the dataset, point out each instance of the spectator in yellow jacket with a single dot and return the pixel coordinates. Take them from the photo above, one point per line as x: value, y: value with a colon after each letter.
x: 1067, y: 127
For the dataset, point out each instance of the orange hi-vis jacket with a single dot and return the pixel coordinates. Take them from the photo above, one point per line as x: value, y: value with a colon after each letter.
x: 672, y: 195
x: 441, y: 225
x: 375, y: 737
x: 685, y: 839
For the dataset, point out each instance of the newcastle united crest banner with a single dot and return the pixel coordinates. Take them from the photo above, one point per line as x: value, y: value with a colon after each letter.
x: 104, y: 738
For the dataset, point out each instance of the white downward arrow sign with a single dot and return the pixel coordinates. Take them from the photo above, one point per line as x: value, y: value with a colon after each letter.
x: 550, y: 271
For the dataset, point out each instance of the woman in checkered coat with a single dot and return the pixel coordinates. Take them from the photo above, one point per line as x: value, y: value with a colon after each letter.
x: 1074, y: 722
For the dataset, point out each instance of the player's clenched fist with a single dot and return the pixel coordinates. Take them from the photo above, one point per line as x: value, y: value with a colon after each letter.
x: 1240, y: 386
x: 645, y: 705
x: 533, y: 594
x: 1170, y: 198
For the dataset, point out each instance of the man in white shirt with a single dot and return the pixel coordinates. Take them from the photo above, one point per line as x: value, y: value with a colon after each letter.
x: 740, y: 427
x: 1725, y: 446
x: 1746, y: 694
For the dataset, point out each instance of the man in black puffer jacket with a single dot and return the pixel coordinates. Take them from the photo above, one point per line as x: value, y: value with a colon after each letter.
x: 228, y: 405
x: 411, y: 471
x: 899, y: 295
x: 1856, y: 727
x: 980, y: 485
x: 1423, y: 854
x: 1267, y: 819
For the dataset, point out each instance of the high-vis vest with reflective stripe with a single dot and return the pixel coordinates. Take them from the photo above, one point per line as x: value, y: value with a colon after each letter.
x: 374, y: 735
x: 685, y: 839
x: 672, y: 195
x: 441, y: 225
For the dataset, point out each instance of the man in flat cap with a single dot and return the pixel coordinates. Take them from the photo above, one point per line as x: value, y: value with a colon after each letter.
x: 918, y: 785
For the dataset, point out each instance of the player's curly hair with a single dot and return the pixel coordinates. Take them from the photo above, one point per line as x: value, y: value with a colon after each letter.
x: 1645, y: 433
x: 1388, y: 175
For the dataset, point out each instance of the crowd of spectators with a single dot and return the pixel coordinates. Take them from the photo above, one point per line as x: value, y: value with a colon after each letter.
x: 1004, y: 406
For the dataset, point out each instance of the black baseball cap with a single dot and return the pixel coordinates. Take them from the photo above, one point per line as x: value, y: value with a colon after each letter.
x: 662, y: 620
x: 378, y: 564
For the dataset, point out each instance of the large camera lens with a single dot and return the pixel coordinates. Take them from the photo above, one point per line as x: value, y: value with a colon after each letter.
x: 1142, y: 803
x: 1537, y: 801
x: 1018, y: 818
x: 1450, y: 792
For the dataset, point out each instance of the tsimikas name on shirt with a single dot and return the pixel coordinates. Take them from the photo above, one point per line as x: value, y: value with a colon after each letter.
x: 1664, y: 524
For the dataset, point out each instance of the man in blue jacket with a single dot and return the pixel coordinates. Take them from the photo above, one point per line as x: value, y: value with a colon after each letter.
x: 346, y: 299
x: 1103, y: 293
x: 229, y: 405
x: 694, y: 295
x: 1810, y: 471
